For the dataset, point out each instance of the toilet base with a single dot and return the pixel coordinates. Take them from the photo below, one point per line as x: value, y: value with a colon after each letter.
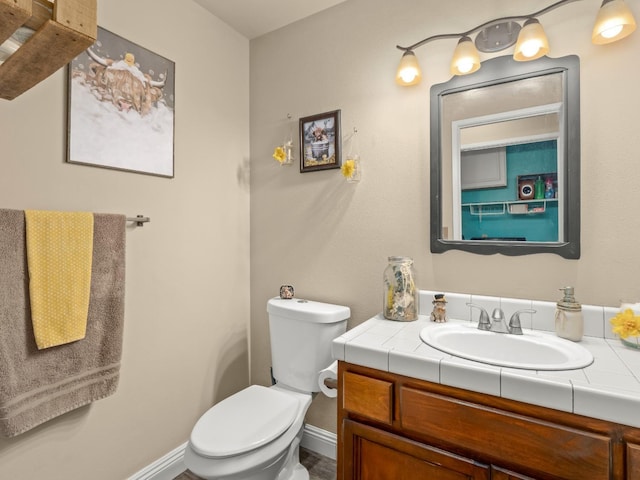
x: 299, y: 473
x: 293, y: 469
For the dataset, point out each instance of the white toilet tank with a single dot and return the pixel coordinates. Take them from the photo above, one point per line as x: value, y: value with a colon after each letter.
x: 301, y: 334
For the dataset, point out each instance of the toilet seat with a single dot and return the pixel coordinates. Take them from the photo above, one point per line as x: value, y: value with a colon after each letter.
x: 243, y: 422
x: 254, y: 462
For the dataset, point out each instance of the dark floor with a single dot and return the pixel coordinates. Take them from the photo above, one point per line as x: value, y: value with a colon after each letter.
x: 320, y: 467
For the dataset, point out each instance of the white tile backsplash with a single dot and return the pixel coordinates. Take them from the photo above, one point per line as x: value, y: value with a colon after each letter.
x: 488, y: 303
x: 457, y: 307
x: 596, y: 318
x: 426, y: 297
x: 512, y: 305
x: 545, y: 317
x: 593, y: 321
x: 609, y: 313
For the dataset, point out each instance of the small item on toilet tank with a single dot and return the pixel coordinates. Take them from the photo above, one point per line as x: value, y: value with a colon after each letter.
x: 286, y: 292
x: 569, y: 320
x: 439, y: 313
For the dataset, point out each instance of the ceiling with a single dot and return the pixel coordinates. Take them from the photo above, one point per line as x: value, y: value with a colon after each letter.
x: 253, y: 18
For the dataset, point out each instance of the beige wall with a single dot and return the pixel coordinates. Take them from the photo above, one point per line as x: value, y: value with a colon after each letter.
x: 330, y: 239
x: 187, y: 297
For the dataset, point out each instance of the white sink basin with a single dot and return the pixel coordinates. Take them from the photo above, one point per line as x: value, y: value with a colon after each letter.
x: 532, y: 351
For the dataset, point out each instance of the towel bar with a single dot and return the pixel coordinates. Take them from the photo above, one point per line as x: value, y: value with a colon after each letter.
x: 140, y: 220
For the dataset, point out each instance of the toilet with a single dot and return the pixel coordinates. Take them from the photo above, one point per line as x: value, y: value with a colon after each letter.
x: 255, y: 433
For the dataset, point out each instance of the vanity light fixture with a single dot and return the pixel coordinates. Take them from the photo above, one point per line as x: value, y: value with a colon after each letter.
x: 614, y: 22
x: 532, y: 42
x: 409, y: 70
x: 465, y: 58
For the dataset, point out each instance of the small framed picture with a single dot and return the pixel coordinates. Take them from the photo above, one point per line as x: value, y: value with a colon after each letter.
x: 320, y: 142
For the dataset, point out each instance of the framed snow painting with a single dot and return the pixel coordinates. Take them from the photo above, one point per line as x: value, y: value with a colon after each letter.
x: 121, y: 108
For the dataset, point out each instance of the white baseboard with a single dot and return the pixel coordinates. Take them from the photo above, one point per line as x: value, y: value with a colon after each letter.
x: 165, y: 468
x: 172, y: 464
x: 320, y: 441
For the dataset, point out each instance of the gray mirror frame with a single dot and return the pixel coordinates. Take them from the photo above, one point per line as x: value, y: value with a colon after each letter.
x: 493, y: 72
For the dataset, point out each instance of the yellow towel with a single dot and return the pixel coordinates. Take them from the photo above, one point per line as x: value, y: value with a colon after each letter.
x: 59, y: 254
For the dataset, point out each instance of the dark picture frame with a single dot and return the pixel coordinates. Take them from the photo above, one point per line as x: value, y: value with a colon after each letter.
x: 320, y: 141
x: 120, y: 114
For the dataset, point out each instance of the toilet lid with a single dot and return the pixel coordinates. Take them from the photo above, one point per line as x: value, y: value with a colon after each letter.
x: 246, y: 420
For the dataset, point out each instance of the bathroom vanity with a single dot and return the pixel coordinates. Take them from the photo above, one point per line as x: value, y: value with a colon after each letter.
x: 406, y: 410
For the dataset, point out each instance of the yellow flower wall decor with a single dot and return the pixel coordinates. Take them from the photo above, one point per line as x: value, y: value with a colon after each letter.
x: 351, y: 169
x: 284, y: 153
x: 626, y: 324
x: 279, y: 154
x: 348, y: 167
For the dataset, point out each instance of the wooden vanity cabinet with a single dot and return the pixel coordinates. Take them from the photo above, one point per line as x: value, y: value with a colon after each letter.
x: 394, y: 427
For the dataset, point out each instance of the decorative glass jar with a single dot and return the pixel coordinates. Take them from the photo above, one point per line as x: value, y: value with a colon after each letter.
x: 631, y: 342
x: 401, y: 297
x: 356, y: 172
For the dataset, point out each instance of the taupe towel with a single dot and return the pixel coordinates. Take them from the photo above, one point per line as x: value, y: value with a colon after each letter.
x: 36, y: 386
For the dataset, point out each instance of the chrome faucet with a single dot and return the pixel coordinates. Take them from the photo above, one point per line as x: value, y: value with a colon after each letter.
x: 484, y: 323
x: 497, y: 322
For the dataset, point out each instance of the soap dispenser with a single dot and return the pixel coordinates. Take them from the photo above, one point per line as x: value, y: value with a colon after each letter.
x: 569, y: 321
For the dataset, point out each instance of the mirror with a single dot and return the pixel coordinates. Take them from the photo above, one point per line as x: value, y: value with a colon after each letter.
x: 505, y: 159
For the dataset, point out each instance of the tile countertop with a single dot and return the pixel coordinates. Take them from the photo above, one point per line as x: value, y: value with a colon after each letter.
x: 608, y: 389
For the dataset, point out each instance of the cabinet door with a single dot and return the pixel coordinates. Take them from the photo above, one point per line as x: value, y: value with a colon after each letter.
x: 526, y: 443
x: 633, y: 461
x: 372, y: 454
